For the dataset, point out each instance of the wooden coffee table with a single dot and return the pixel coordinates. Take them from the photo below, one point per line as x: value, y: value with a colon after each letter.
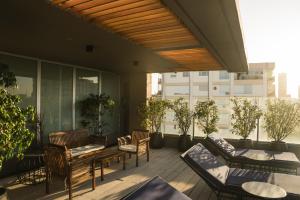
x: 107, y: 155
x: 264, y: 190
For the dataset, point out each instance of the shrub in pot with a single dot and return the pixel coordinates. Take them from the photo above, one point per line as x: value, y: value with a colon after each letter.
x: 92, y: 109
x: 153, y: 113
x: 281, y: 119
x: 243, y: 119
x: 206, y: 113
x: 183, y: 116
x: 15, y: 137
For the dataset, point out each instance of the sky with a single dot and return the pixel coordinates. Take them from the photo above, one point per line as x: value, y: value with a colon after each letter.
x: 271, y: 30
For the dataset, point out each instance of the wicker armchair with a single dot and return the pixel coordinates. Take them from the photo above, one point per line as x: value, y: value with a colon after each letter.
x: 136, y: 143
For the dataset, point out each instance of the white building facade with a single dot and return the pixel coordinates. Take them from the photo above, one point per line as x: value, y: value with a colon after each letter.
x: 257, y: 84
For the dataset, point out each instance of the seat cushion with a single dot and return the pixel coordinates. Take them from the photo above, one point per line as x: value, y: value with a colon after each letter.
x: 128, y: 147
x: 156, y: 189
x: 286, y: 159
x: 290, y: 183
x: 222, y: 144
x: 205, y: 161
x: 254, y: 154
x: 86, y: 149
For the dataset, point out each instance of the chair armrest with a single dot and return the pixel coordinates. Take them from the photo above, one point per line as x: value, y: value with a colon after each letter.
x: 143, y: 141
x: 124, y: 140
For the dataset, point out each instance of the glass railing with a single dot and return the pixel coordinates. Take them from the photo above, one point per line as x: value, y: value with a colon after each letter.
x: 224, y: 125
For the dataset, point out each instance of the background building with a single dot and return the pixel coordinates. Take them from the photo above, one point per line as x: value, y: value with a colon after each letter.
x: 257, y: 83
x: 282, y: 85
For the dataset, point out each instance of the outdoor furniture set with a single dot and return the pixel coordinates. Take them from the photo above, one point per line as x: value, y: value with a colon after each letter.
x: 74, y: 155
x: 238, y: 182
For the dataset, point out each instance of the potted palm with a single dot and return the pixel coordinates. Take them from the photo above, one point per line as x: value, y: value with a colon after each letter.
x: 153, y: 113
x: 243, y: 119
x: 15, y: 137
x: 281, y: 119
x: 206, y: 113
x: 92, y: 109
x: 183, y: 117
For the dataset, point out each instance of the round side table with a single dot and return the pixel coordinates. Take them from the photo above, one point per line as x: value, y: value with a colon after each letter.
x: 264, y: 190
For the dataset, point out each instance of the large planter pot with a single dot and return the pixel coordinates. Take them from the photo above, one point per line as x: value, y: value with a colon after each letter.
x: 156, y: 140
x: 279, y: 146
x: 3, y: 194
x: 246, y: 143
x: 184, y: 142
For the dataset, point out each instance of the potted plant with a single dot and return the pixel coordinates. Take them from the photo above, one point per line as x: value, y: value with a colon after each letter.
x: 15, y: 137
x: 153, y: 113
x: 243, y: 119
x: 183, y: 117
x: 206, y: 113
x: 93, y: 109
x: 281, y: 119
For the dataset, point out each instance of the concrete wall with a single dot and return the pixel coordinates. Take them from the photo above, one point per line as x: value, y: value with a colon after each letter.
x: 133, y: 93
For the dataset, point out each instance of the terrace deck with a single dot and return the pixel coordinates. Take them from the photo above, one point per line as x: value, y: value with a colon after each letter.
x: 164, y: 162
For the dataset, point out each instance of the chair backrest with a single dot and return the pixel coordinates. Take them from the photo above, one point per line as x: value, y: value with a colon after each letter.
x: 70, y: 139
x: 222, y: 145
x: 139, y: 135
x: 207, y: 166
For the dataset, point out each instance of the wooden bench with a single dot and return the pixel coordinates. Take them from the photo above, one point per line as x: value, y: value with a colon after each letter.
x: 70, y: 155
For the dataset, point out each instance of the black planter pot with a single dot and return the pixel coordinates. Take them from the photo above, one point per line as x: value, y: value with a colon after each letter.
x: 3, y: 194
x: 279, y: 146
x: 156, y: 140
x: 246, y: 143
x: 184, y: 142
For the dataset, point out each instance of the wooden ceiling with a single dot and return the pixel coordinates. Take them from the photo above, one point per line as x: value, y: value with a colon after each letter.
x: 148, y: 23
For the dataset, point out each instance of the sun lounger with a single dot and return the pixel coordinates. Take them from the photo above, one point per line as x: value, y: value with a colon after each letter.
x: 224, y: 180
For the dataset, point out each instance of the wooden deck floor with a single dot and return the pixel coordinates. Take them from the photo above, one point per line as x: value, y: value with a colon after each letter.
x: 164, y: 162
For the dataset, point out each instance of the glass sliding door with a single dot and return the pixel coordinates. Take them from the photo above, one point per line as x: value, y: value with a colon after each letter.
x: 26, y: 73
x: 87, y: 82
x: 56, y: 97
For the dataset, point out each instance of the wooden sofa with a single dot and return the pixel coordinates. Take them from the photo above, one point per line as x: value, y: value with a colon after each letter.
x: 70, y: 154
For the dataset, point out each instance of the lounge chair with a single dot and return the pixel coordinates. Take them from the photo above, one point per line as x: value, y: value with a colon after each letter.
x: 224, y: 180
x: 270, y: 160
x: 156, y: 189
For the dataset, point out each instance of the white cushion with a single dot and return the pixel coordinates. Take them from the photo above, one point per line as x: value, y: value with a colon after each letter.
x: 128, y: 147
x: 86, y: 149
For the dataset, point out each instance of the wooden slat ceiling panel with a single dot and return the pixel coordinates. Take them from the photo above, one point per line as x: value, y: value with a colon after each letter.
x: 148, y: 23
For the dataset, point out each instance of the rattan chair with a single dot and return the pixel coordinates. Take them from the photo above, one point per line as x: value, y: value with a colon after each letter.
x: 136, y: 143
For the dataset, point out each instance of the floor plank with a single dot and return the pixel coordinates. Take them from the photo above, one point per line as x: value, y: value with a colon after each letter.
x: 117, y: 182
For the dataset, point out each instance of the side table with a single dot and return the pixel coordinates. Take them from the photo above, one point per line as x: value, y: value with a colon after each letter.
x: 264, y: 190
x: 31, y: 169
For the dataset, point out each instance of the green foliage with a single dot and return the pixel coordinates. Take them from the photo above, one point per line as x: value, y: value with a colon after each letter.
x: 7, y: 78
x: 206, y: 113
x: 244, y: 117
x: 93, y: 108
x: 281, y: 119
x: 183, y: 116
x: 153, y: 113
x: 15, y: 137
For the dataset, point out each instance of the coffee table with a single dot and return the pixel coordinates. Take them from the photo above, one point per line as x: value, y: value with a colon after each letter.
x: 264, y: 190
x: 107, y: 155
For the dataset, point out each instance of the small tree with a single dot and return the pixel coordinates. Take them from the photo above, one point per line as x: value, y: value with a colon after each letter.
x: 93, y: 109
x: 183, y: 116
x: 281, y: 119
x: 15, y: 137
x: 244, y: 117
x: 206, y: 113
x: 153, y: 113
